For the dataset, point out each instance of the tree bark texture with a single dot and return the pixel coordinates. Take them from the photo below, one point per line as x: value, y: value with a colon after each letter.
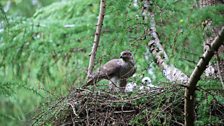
x: 171, y: 73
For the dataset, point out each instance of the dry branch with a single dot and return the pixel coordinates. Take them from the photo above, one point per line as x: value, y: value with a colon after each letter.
x: 195, y: 77
x: 97, y: 37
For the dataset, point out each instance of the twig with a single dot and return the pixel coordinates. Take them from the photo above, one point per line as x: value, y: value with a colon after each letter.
x: 181, y: 85
x: 181, y: 124
x: 104, y: 121
x: 97, y: 37
x: 73, y: 109
x: 127, y: 111
x: 87, y: 115
x: 73, y: 121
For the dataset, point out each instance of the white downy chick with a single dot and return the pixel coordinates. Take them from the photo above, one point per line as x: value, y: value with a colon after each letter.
x: 146, y: 81
x: 130, y: 87
x: 146, y: 84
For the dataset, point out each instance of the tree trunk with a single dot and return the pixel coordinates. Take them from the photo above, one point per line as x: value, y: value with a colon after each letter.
x: 189, y: 105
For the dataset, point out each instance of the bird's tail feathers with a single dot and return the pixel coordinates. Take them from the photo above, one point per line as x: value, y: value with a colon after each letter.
x: 92, y: 80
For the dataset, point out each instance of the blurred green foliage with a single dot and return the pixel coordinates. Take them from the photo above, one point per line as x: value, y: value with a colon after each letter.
x: 44, y: 47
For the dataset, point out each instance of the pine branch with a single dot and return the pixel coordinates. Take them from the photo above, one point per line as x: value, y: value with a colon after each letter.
x: 189, y: 105
x: 97, y: 37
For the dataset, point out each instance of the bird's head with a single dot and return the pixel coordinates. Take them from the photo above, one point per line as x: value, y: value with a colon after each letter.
x: 126, y: 56
x: 146, y: 81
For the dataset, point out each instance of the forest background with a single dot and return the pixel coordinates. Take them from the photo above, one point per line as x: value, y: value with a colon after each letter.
x: 45, y: 47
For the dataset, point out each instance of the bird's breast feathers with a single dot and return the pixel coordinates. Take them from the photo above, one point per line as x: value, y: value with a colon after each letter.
x: 127, y: 70
x: 117, y: 67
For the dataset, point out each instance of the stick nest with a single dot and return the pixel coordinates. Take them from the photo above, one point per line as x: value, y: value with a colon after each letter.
x: 86, y: 107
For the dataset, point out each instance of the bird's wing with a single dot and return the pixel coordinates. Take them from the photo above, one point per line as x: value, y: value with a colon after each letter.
x: 109, y: 69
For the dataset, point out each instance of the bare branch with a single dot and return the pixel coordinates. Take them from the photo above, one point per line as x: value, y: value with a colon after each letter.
x: 97, y: 37
x: 195, y: 77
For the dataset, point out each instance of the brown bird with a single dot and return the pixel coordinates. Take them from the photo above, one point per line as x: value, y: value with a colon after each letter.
x: 117, y: 71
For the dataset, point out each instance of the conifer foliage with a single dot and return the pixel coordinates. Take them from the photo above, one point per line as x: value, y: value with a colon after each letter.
x: 44, y: 56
